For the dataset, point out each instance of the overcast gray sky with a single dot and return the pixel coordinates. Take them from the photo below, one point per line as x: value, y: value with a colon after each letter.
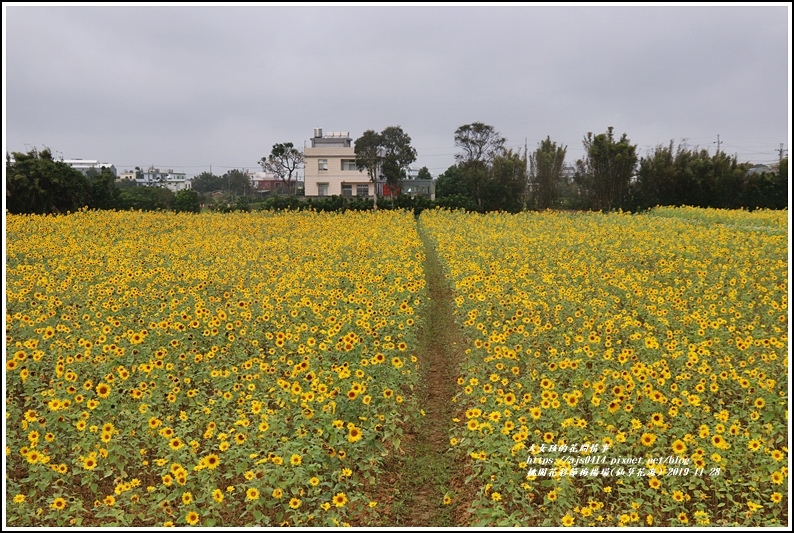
x: 208, y: 85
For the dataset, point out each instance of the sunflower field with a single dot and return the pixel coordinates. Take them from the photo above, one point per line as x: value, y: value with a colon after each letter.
x: 621, y: 369
x: 261, y: 369
x: 242, y: 369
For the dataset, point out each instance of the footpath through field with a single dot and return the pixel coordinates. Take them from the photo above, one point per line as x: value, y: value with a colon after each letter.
x: 428, y: 469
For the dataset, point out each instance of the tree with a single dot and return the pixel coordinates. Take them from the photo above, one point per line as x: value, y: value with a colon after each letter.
x: 36, y: 183
x: 478, y: 142
x: 545, y: 173
x: 368, y: 154
x: 398, y: 154
x: 424, y: 174
x: 730, y: 180
x: 604, y: 174
x: 102, y: 191
x: 126, y: 183
x: 207, y: 182
x: 451, y: 182
x: 391, y: 171
x: 239, y: 182
x: 146, y: 198
x: 766, y: 190
x: 476, y: 175
x: 283, y: 162
x: 656, y: 178
x: 369, y: 157
x: 387, y: 154
x: 187, y: 201
x: 504, y: 190
x: 681, y: 176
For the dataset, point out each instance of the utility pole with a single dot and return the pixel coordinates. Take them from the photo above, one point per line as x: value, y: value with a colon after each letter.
x: 780, y: 153
x: 718, y: 143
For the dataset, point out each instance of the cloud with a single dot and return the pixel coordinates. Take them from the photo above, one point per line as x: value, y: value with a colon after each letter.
x: 201, y: 85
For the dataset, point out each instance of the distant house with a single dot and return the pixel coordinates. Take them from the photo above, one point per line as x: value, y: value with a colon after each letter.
x: 265, y: 183
x: 126, y: 175
x: 330, y: 167
x: 412, y: 186
x: 419, y: 188
x: 568, y: 173
x: 758, y: 169
x: 84, y: 165
x: 154, y: 177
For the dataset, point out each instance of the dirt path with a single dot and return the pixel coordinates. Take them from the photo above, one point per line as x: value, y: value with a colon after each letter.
x: 428, y: 469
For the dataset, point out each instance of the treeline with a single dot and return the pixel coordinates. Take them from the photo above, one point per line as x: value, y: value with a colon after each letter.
x: 486, y: 177
x: 680, y: 176
x: 610, y: 176
x: 37, y: 183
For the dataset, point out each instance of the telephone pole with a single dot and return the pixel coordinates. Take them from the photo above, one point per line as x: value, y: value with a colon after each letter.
x: 780, y: 153
x: 718, y: 143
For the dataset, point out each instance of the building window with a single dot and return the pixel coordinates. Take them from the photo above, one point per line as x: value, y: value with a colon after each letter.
x: 362, y: 189
x: 349, y: 164
x: 347, y: 190
x: 322, y: 189
x: 322, y: 164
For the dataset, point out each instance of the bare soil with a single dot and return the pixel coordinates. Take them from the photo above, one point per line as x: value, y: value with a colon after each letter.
x: 429, y: 469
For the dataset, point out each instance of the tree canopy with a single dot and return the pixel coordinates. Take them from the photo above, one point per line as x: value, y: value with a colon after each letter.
x: 239, y: 182
x: 37, y: 183
x: 387, y: 154
x: 451, y: 182
x: 545, y: 173
x: 486, y: 177
x: 478, y: 142
x: 606, y: 170
x: 284, y: 161
x: 493, y: 178
x: 207, y: 182
x: 368, y: 153
x: 398, y: 154
x: 682, y: 176
x: 187, y: 201
x: 507, y: 182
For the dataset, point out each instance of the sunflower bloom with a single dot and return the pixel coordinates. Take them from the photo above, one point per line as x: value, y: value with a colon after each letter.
x: 340, y: 499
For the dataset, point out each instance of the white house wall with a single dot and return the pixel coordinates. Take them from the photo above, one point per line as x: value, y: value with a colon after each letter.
x: 334, y: 176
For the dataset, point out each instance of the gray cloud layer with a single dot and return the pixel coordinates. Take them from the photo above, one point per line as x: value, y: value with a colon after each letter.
x: 190, y: 87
